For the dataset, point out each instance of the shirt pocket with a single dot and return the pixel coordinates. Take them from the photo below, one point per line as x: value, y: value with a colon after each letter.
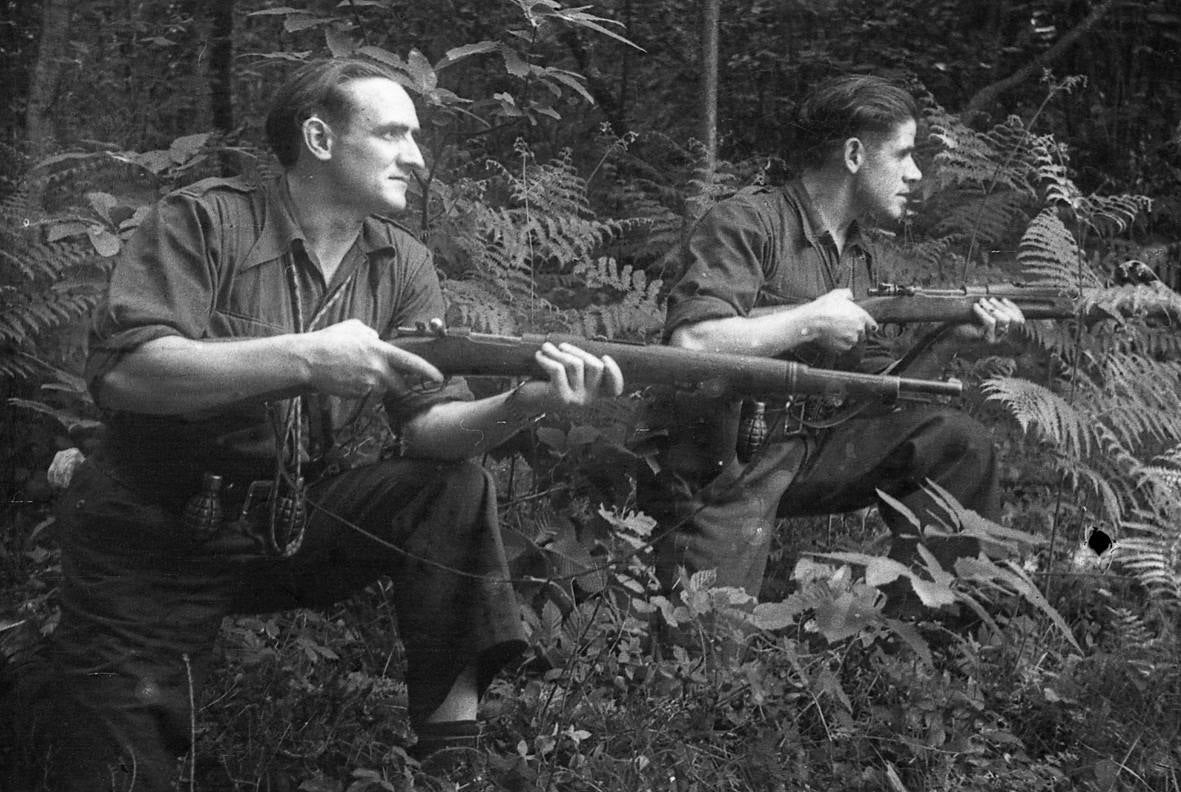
x: 253, y: 306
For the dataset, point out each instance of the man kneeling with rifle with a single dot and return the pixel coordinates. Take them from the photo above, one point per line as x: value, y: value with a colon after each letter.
x: 268, y: 448
x: 777, y: 272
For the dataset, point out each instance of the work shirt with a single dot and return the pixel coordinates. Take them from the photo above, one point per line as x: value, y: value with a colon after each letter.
x: 763, y: 247
x: 210, y: 262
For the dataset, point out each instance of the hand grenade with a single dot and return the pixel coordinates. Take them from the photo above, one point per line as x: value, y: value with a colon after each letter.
x: 752, y: 430
x: 202, y: 514
x: 288, y: 518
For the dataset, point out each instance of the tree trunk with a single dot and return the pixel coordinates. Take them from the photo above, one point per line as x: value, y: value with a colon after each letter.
x: 43, y: 76
x: 710, y: 13
x: 221, y: 63
x: 988, y: 94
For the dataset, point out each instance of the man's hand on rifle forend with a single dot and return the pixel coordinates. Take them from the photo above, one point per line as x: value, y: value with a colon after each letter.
x: 996, y: 318
x: 576, y: 378
x: 836, y: 322
x: 350, y: 360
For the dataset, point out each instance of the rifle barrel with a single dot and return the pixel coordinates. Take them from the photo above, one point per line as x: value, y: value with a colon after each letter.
x: 458, y: 351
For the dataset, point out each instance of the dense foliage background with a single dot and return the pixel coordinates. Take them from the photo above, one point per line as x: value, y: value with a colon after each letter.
x: 563, y: 156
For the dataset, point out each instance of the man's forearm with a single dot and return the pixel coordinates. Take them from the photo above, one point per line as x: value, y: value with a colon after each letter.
x: 463, y: 429
x: 174, y: 375
x: 761, y: 336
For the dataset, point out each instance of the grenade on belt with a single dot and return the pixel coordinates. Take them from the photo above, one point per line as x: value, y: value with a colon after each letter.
x: 752, y: 430
x: 202, y: 514
x: 288, y: 518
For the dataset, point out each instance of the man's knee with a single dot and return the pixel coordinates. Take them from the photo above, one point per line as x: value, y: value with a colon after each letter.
x: 465, y: 476
x: 956, y: 438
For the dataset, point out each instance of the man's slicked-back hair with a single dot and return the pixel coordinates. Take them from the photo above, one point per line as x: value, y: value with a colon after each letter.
x: 314, y: 89
x: 849, y: 106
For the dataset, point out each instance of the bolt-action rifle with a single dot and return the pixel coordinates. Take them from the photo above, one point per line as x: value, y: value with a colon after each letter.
x: 459, y: 351
x: 891, y: 303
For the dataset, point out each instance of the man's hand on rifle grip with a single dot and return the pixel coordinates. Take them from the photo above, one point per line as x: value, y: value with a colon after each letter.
x: 836, y: 322
x: 350, y: 360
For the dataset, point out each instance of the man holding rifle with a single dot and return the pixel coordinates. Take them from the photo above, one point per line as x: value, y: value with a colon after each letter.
x: 267, y: 449
x: 776, y: 272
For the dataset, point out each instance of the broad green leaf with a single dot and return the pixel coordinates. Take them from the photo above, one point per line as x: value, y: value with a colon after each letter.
x: 551, y: 617
x: 932, y: 594
x: 514, y: 64
x: 776, y: 615
x: 281, y: 10
x: 184, y: 148
x: 294, y: 24
x: 58, y: 231
x: 571, y: 80
x: 579, y: 18
x: 156, y: 161
x: 339, y: 42
x: 382, y: 55
x: 422, y: 71
x: 881, y: 571
x: 635, y: 522
x: 899, y: 507
x: 105, y: 243
x: 583, y: 434
x: 937, y: 572
x: 844, y: 617
x: 102, y: 203
x: 456, y: 54
x: 806, y: 570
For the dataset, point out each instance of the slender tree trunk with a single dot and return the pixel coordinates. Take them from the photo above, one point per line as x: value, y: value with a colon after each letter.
x: 43, y: 76
x: 625, y: 71
x: 710, y: 14
x: 221, y: 62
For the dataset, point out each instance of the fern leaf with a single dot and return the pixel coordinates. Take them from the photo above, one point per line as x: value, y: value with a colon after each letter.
x: 1033, y: 405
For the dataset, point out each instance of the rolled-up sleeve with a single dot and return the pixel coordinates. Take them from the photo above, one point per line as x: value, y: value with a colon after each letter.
x: 162, y: 285
x: 717, y: 271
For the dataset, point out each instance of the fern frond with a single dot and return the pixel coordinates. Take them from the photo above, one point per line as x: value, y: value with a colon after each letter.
x: 636, y: 314
x: 988, y: 216
x: 1112, y: 214
x: 472, y: 304
x: 997, y: 158
x: 1152, y: 553
x: 1050, y: 255
x: 1033, y: 405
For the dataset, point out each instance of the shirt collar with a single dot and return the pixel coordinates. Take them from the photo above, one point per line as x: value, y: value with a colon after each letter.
x: 280, y: 230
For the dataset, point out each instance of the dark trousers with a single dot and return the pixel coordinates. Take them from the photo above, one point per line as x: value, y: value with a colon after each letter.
x: 142, y: 603
x: 726, y: 524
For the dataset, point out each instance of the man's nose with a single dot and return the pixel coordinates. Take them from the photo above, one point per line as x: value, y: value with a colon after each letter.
x: 411, y: 156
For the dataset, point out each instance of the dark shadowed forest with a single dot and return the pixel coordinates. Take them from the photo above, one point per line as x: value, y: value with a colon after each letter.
x: 567, y: 148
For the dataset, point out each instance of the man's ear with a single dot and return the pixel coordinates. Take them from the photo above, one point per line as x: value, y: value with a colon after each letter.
x: 317, y: 138
x: 854, y: 154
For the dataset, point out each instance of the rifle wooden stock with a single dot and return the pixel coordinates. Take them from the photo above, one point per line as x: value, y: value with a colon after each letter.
x: 459, y: 351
